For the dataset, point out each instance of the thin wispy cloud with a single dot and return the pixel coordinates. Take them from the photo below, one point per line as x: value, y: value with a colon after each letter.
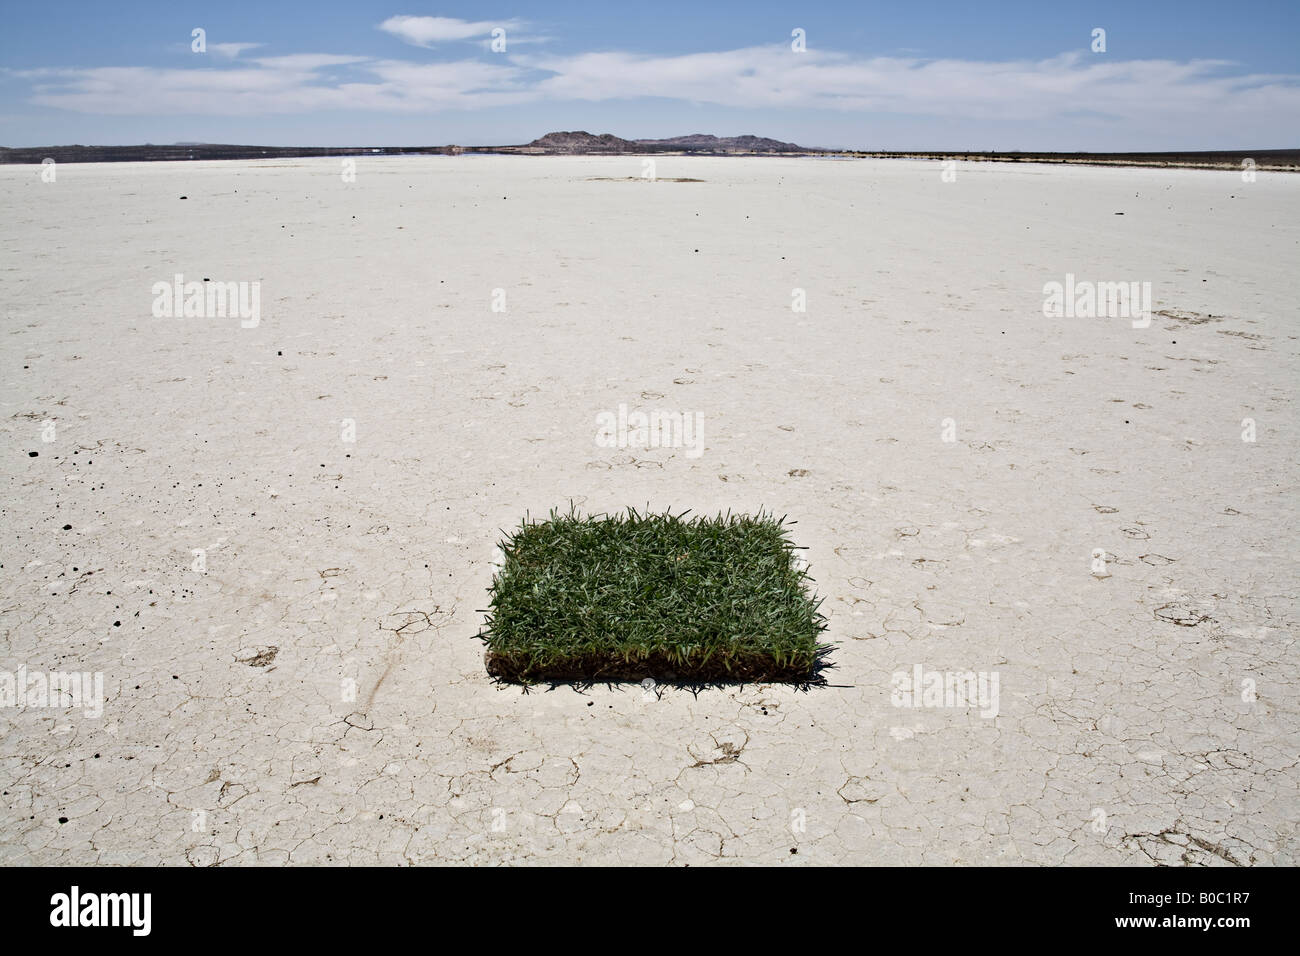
x: 281, y: 85
x: 428, y: 31
x: 232, y: 50
x: 306, y: 62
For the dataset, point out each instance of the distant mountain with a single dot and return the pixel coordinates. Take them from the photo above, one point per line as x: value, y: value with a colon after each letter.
x: 582, y: 142
x: 728, y: 144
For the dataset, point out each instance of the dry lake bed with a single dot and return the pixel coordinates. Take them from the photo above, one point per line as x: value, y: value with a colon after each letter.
x: 1056, y: 540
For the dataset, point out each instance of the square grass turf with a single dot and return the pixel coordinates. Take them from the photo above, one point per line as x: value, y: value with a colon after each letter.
x: 626, y: 597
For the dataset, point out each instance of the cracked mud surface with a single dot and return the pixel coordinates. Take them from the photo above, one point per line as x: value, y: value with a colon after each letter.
x: 315, y: 695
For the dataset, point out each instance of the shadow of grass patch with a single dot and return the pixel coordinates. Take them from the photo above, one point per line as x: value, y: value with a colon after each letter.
x: 613, y: 598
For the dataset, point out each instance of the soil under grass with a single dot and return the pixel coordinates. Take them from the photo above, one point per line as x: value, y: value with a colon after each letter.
x: 626, y: 597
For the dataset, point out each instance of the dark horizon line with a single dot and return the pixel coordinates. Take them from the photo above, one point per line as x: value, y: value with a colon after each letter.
x: 1276, y: 158
x: 668, y: 144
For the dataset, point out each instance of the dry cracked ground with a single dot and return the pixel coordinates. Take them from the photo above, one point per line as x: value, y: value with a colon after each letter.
x: 274, y: 542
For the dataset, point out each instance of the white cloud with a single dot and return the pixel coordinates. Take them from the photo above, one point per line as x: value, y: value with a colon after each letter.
x: 1134, y: 96
x: 306, y: 62
x: 425, y: 31
x: 775, y: 77
x: 278, y: 85
x: 232, y: 50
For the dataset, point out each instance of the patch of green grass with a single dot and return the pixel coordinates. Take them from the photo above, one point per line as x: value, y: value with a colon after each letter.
x: 625, y: 597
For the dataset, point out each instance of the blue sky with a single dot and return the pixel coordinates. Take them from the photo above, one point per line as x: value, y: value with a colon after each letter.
x: 921, y: 75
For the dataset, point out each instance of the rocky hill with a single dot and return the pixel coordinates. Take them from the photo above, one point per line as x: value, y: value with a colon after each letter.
x: 584, y: 143
x: 581, y: 141
x: 726, y: 144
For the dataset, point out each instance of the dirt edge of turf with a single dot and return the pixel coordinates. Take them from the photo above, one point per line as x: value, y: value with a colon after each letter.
x: 599, y: 669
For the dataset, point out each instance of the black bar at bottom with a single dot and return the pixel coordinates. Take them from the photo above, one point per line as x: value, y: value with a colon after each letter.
x: 346, y: 905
